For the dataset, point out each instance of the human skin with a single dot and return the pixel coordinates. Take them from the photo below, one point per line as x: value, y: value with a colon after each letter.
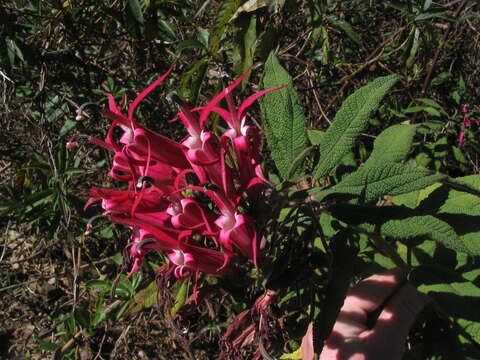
x: 352, y: 339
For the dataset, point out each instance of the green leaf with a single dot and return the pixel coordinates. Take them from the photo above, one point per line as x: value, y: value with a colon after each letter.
x: 456, y: 296
x: 136, y: 10
x: 192, y: 79
x: 430, y: 102
x: 398, y: 222
x: 409, y: 199
x: 413, y: 50
x: 350, y: 121
x: 145, y: 299
x: 68, y: 126
x: 189, y: 44
x: 225, y: 13
x: 440, y: 15
x: 203, y: 36
x: 315, y: 136
x: 98, y: 317
x: 348, y: 29
x: 429, y: 110
x: 249, y: 6
x: 371, y: 182
x: 298, y: 162
x: 250, y: 41
x: 392, y: 145
x: 82, y: 316
x: 48, y: 346
x: 102, y: 285
x: 459, y: 209
x: 285, y: 127
x: 168, y: 29
x: 117, y: 258
x: 180, y: 297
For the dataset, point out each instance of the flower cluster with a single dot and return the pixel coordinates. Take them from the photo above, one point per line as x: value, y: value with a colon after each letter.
x: 184, y: 198
x: 466, y: 123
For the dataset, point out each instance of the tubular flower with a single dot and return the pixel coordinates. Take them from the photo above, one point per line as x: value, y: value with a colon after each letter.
x: 165, y: 211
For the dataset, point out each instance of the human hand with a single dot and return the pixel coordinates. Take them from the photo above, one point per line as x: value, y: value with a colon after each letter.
x: 352, y: 339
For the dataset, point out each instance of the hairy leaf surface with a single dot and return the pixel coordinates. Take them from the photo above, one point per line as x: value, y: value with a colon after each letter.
x: 459, y: 209
x: 371, y: 182
x: 398, y: 222
x: 285, y: 127
x: 350, y: 121
x: 392, y: 145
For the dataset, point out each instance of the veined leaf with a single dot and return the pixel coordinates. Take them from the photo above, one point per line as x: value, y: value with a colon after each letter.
x: 398, y: 222
x: 392, y: 145
x: 371, y: 182
x: 459, y: 209
x: 284, y: 118
x: 350, y: 121
x: 315, y: 136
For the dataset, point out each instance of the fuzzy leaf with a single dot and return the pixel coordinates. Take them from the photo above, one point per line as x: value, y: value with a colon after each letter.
x: 285, y: 127
x: 392, y: 145
x: 398, y: 222
x: 315, y: 136
x: 371, y: 182
x: 459, y: 209
x: 350, y: 121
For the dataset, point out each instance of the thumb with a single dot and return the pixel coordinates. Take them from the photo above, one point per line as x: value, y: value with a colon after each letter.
x: 399, y: 314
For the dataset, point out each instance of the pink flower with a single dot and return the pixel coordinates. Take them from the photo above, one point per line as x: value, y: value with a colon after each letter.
x: 158, y: 204
x: 244, y: 138
x: 238, y: 236
x: 467, y: 122
x: 191, y: 259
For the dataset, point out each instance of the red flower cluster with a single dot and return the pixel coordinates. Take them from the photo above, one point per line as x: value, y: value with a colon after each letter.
x: 160, y: 204
x: 466, y: 123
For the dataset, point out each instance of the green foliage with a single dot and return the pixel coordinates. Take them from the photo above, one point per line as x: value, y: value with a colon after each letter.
x: 409, y: 203
x: 285, y: 127
x: 398, y: 222
x: 49, y: 203
x: 181, y: 296
x: 392, y: 145
x: 350, y: 121
x: 371, y: 182
x: 226, y: 11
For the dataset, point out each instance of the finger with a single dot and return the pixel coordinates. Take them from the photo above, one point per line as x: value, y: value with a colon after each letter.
x: 371, y: 293
x: 400, y: 313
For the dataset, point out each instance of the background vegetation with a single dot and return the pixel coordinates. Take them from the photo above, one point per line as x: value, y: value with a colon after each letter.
x: 65, y: 293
